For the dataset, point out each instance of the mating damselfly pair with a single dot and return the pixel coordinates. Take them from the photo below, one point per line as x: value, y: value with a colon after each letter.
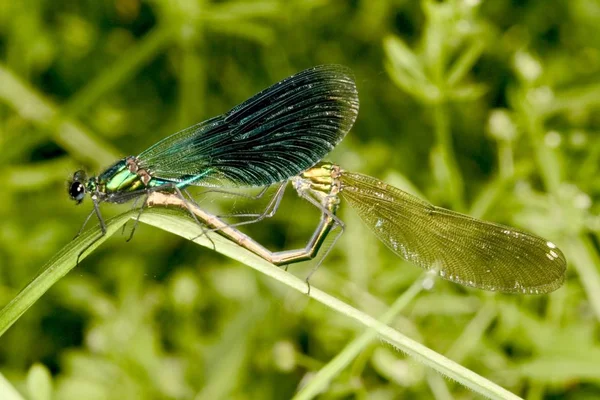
x: 280, y: 135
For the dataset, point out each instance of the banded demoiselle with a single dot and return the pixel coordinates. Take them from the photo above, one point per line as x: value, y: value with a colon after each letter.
x: 457, y: 247
x: 274, y: 135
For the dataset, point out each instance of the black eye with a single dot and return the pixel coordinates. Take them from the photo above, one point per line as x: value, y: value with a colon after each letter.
x: 77, y: 191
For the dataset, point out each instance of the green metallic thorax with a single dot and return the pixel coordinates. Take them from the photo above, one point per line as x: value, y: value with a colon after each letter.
x: 117, y: 179
x: 125, y: 176
x: 123, y: 181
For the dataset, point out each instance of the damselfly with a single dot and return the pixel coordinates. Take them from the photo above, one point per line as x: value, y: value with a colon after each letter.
x: 457, y: 247
x: 269, y: 138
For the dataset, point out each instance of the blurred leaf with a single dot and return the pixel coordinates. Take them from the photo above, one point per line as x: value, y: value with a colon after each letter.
x: 86, y: 82
x: 33, y: 106
x: 462, y: 66
x: 402, y: 372
x: 560, y: 370
x: 236, y: 10
x: 407, y: 72
x: 444, y: 304
x: 65, y: 260
x: 39, y: 383
x: 8, y: 391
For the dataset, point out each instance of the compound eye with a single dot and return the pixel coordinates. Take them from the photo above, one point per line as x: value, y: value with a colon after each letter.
x: 77, y: 191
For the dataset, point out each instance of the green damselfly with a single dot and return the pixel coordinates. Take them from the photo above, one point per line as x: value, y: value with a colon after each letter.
x: 274, y: 135
x: 456, y: 247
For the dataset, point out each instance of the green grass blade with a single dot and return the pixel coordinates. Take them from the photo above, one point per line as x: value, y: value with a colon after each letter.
x: 63, y: 262
x: 333, y: 368
x: 176, y: 222
x: 8, y: 391
x: 172, y: 221
x: 41, y: 111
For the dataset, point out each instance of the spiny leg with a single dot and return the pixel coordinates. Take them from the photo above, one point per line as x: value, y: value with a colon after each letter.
x: 134, y: 205
x: 87, y: 219
x: 329, y: 221
x: 326, y: 253
x: 229, y: 192
x: 97, y: 210
x: 137, y: 219
x: 102, y: 228
x: 188, y: 206
x: 335, y: 222
x: 257, y: 196
x: 281, y: 258
x: 269, y: 211
x: 166, y: 187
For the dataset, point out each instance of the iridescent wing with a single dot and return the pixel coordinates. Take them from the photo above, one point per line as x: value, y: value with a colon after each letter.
x: 459, y: 248
x: 269, y: 138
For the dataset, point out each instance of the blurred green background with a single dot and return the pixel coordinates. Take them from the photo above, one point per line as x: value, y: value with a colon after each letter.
x: 486, y: 107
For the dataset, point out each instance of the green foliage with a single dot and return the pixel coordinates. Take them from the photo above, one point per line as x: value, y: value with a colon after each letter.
x: 489, y: 108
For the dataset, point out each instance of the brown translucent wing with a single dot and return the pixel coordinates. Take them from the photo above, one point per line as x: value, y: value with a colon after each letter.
x: 459, y: 248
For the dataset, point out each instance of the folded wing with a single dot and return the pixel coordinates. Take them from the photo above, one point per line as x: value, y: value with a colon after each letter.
x: 271, y: 137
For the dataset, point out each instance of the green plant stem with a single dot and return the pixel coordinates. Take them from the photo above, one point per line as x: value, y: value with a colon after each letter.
x: 69, y: 134
x: 175, y: 221
x: 547, y: 162
x: 449, y: 174
x: 488, y: 196
x: 56, y: 268
x: 576, y: 98
x: 506, y: 162
x: 586, y: 260
x: 323, y: 378
x: 473, y: 332
x: 185, y: 227
x: 8, y: 391
x: 121, y: 71
x: 192, y: 85
x: 579, y: 248
x: 465, y: 63
x: 438, y: 386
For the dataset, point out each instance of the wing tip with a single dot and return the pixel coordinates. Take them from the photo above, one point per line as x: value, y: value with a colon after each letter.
x: 518, y: 288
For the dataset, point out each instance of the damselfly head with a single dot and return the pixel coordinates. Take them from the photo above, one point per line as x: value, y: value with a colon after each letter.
x: 77, y: 186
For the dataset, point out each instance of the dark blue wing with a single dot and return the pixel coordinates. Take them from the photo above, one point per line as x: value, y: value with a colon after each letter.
x: 269, y: 138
